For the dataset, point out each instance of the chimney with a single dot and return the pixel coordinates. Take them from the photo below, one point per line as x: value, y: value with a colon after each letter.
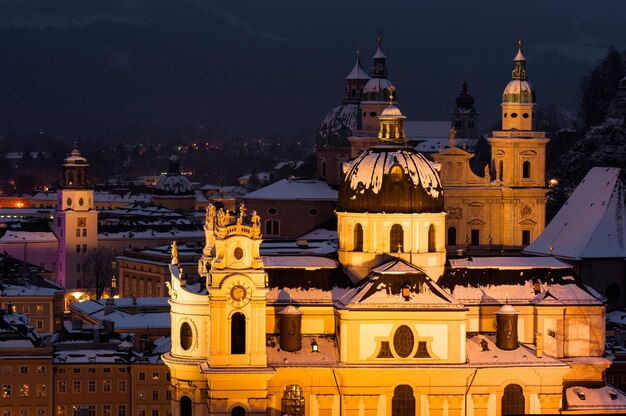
x: 109, y: 306
x: 506, y: 322
x: 290, y: 329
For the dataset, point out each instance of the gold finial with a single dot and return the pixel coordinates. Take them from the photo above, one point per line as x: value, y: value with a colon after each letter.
x: 519, y: 43
x: 391, y: 90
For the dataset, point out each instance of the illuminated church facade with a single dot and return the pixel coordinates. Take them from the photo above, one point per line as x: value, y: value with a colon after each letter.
x: 391, y: 327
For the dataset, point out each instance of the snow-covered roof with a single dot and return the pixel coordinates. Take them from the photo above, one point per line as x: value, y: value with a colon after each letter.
x: 508, y: 263
x: 338, y: 125
x: 174, y: 186
x: 12, y: 237
x: 379, y: 54
x: 591, y: 224
x: 523, y: 356
x: 320, y: 234
x: 128, y: 313
x: 438, y: 145
x: 604, y: 398
x: 300, y: 262
x: 295, y: 189
x: 357, y: 71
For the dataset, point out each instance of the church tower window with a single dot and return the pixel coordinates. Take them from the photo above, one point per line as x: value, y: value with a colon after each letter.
x: 292, y: 402
x: 431, y: 239
x: 475, y: 237
x: 526, y: 169
x: 186, y: 336
x: 513, y: 400
x: 238, y: 334
x: 403, y: 401
x: 358, y: 237
x: 396, y: 238
x: 403, y: 341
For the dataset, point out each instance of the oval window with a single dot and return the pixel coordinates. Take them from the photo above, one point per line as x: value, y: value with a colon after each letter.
x: 81, y: 202
x: 69, y: 201
x: 186, y: 336
x: 505, y: 114
x: 238, y: 253
x: 373, y: 114
x: 403, y: 341
x: 364, y: 114
x: 313, y: 212
x: 525, y: 115
x: 272, y: 211
x: 396, y: 173
x: 513, y: 115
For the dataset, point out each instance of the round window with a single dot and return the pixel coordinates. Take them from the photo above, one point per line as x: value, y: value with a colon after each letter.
x: 238, y: 253
x: 186, y: 336
x: 272, y: 211
x: 396, y: 173
x: 69, y: 201
x: 313, y: 212
x: 81, y: 202
x: 403, y: 341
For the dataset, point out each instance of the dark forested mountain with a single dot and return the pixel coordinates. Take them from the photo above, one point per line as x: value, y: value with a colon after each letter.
x: 198, y: 68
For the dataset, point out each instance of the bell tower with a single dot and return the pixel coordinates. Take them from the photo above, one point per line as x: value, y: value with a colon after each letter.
x: 518, y: 99
x: 75, y: 223
x: 236, y: 292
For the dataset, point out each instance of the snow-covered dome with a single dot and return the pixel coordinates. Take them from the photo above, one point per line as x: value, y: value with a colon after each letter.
x: 393, y: 179
x: 338, y: 125
x: 376, y: 89
x: 392, y: 110
x: 519, y: 91
x: 173, y: 183
x: 75, y: 159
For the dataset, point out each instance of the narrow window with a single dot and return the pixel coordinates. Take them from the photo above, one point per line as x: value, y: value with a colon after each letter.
x: 525, y: 237
x: 403, y: 401
x: 431, y: 239
x: 526, y: 169
x: 501, y: 170
x: 358, y: 237
x: 185, y: 406
x: 238, y: 411
x: 238, y: 334
x: 396, y: 239
x: 475, y: 237
x: 452, y: 236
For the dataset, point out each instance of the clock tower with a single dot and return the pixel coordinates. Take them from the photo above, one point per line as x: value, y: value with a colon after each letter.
x: 75, y: 223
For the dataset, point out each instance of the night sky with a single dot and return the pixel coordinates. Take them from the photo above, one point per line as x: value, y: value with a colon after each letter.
x: 195, y: 68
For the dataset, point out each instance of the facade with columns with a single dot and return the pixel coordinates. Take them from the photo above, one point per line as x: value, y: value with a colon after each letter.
x: 505, y: 206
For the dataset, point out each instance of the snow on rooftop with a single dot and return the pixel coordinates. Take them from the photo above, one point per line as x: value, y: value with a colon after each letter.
x: 495, y: 357
x: 319, y: 234
x: 604, y: 397
x: 591, y: 224
x: 295, y: 189
x: 357, y: 71
x: 504, y: 263
x: 12, y: 236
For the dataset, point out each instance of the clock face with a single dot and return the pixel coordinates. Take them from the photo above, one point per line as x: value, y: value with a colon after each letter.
x: 239, y: 295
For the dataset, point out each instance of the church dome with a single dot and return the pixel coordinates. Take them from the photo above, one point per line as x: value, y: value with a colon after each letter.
x: 173, y: 183
x: 338, y: 125
x: 376, y: 89
x: 392, y: 110
x: 519, y: 91
x: 391, y: 179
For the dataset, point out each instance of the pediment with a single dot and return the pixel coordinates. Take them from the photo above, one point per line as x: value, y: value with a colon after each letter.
x: 527, y: 222
x: 476, y: 221
x: 454, y: 151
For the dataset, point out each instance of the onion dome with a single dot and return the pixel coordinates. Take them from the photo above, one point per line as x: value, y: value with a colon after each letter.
x: 464, y: 101
x: 173, y: 183
x: 519, y: 89
x: 391, y: 177
x: 376, y: 89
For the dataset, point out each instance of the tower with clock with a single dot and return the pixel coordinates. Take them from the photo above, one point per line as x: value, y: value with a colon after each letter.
x: 75, y: 223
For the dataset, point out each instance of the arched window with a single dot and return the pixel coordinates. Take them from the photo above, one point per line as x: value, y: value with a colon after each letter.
x: 452, y: 236
x: 238, y: 334
x: 272, y: 227
x: 526, y: 169
x: 186, y: 336
x: 358, y: 237
x: 403, y: 401
x: 292, y: 403
x: 501, y: 170
x: 185, y: 406
x: 431, y: 239
x: 396, y: 239
x: 513, y: 400
x: 238, y: 411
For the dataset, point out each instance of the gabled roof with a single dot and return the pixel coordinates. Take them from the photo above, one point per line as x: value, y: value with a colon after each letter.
x: 295, y: 189
x: 382, y: 289
x: 591, y: 224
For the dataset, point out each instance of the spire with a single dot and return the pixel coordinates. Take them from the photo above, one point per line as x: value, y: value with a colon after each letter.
x: 520, y: 63
x: 357, y: 71
x: 464, y: 100
x: 379, y: 69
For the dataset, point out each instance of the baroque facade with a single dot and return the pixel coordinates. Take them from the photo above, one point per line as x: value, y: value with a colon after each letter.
x: 389, y: 328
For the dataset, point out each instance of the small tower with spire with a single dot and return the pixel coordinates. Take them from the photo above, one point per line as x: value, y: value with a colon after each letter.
x: 464, y: 115
x: 518, y: 99
x: 376, y: 91
x: 355, y: 82
x: 391, y: 123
